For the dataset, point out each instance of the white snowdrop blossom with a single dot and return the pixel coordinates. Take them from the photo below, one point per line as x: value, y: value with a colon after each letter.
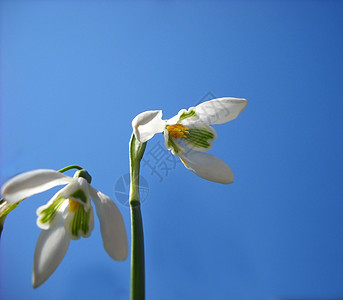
x: 189, y: 134
x: 67, y: 216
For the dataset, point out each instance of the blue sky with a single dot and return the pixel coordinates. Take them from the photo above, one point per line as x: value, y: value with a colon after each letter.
x: 75, y: 73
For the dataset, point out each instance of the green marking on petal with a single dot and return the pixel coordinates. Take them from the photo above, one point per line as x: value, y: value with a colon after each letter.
x: 172, y: 145
x: 48, y: 214
x: 199, y: 137
x: 85, y: 227
x: 79, y: 194
x: 80, y: 222
x: 186, y: 115
x: 201, y: 132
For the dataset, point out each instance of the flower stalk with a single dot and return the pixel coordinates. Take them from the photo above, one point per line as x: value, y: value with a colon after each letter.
x: 137, y: 238
x: 69, y: 168
x: 5, y: 209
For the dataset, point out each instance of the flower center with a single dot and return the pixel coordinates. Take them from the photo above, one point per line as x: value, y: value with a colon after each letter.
x: 73, y: 205
x: 178, y: 130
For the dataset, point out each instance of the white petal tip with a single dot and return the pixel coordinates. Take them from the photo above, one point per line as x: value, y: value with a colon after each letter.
x: 30, y: 183
x: 208, y: 167
x: 120, y: 255
x: 147, y: 124
x: 220, y: 110
x: 35, y: 282
x: 117, y: 248
x: 112, y: 226
x: 51, y: 248
x: 227, y: 180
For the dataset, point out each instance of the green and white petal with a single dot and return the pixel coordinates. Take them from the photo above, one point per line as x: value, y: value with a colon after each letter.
x: 78, y: 191
x: 182, y: 115
x: 147, y: 124
x: 200, y: 136
x: 221, y: 110
x: 50, y: 250
x: 79, y: 222
x: 48, y: 214
x: 112, y: 225
x: 207, y: 166
x: 30, y: 183
x: 173, y: 144
x: 187, y: 115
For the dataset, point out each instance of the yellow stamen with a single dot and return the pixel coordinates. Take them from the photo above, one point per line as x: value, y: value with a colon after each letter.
x: 73, y: 205
x: 178, y: 130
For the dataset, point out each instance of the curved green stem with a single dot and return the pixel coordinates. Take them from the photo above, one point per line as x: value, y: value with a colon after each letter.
x: 137, y: 238
x: 69, y: 168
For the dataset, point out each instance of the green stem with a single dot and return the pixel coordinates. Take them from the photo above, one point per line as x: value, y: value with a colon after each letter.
x: 69, y: 168
x: 137, y: 238
x: 5, y: 209
x: 137, y: 253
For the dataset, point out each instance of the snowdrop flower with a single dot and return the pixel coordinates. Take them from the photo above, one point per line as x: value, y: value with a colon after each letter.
x: 189, y: 134
x: 67, y: 216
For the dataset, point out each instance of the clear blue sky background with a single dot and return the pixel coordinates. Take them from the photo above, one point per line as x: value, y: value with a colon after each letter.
x: 75, y: 73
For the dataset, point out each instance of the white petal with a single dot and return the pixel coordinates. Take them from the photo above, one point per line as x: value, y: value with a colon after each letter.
x: 220, y: 110
x: 54, y: 216
x: 173, y: 144
x: 78, y: 191
x: 176, y: 118
x: 147, y: 124
x: 50, y: 250
x: 30, y: 183
x: 112, y: 226
x: 79, y: 223
x: 207, y: 166
x: 200, y: 126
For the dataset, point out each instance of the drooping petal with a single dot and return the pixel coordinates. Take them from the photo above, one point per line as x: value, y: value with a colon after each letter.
x: 50, y: 250
x: 77, y: 191
x: 220, y: 110
x: 30, y: 183
x: 207, y: 166
x: 112, y: 225
x: 147, y: 124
